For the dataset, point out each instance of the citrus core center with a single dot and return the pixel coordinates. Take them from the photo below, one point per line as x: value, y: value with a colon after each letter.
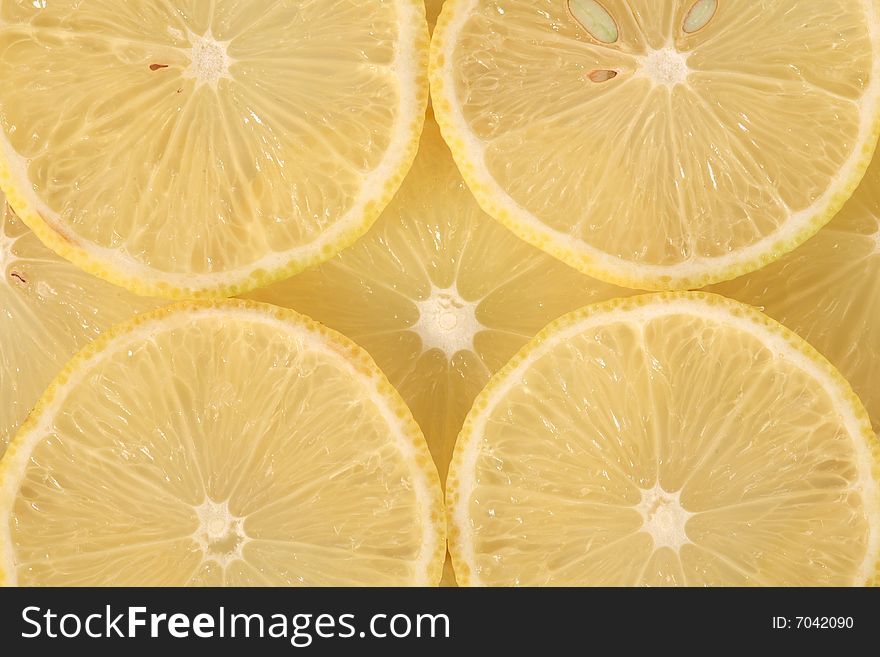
x: 447, y: 322
x: 209, y: 58
x: 220, y: 534
x: 665, y: 66
x: 664, y: 518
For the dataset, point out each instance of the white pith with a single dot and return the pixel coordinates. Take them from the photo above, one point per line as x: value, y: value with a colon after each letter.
x: 209, y: 59
x: 664, y: 66
x: 663, y: 517
x: 219, y: 527
x: 447, y: 322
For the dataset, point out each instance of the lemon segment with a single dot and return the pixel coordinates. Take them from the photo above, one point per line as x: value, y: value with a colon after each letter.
x: 49, y: 309
x: 659, y: 145
x: 679, y: 439
x: 203, y: 149
x: 220, y: 444
x: 828, y: 291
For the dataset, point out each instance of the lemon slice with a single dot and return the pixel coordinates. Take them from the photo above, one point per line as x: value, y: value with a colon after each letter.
x: 49, y: 309
x: 220, y: 444
x: 666, y: 439
x: 828, y: 291
x: 661, y: 145
x: 200, y: 149
x: 439, y: 294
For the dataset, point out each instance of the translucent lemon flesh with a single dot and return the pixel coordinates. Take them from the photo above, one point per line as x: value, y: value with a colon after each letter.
x: 49, y: 309
x: 659, y: 145
x: 672, y: 439
x: 194, y: 148
x: 439, y: 294
x: 225, y: 444
x: 828, y: 291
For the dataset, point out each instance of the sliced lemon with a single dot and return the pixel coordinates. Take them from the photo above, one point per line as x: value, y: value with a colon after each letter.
x: 49, y: 309
x: 666, y: 439
x: 220, y: 444
x: 439, y: 294
x: 660, y: 145
x: 828, y: 291
x: 189, y: 148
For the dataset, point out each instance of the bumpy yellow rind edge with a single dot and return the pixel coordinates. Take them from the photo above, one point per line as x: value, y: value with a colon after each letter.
x: 544, y: 238
x: 355, y: 355
x: 463, y: 573
x: 66, y: 245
